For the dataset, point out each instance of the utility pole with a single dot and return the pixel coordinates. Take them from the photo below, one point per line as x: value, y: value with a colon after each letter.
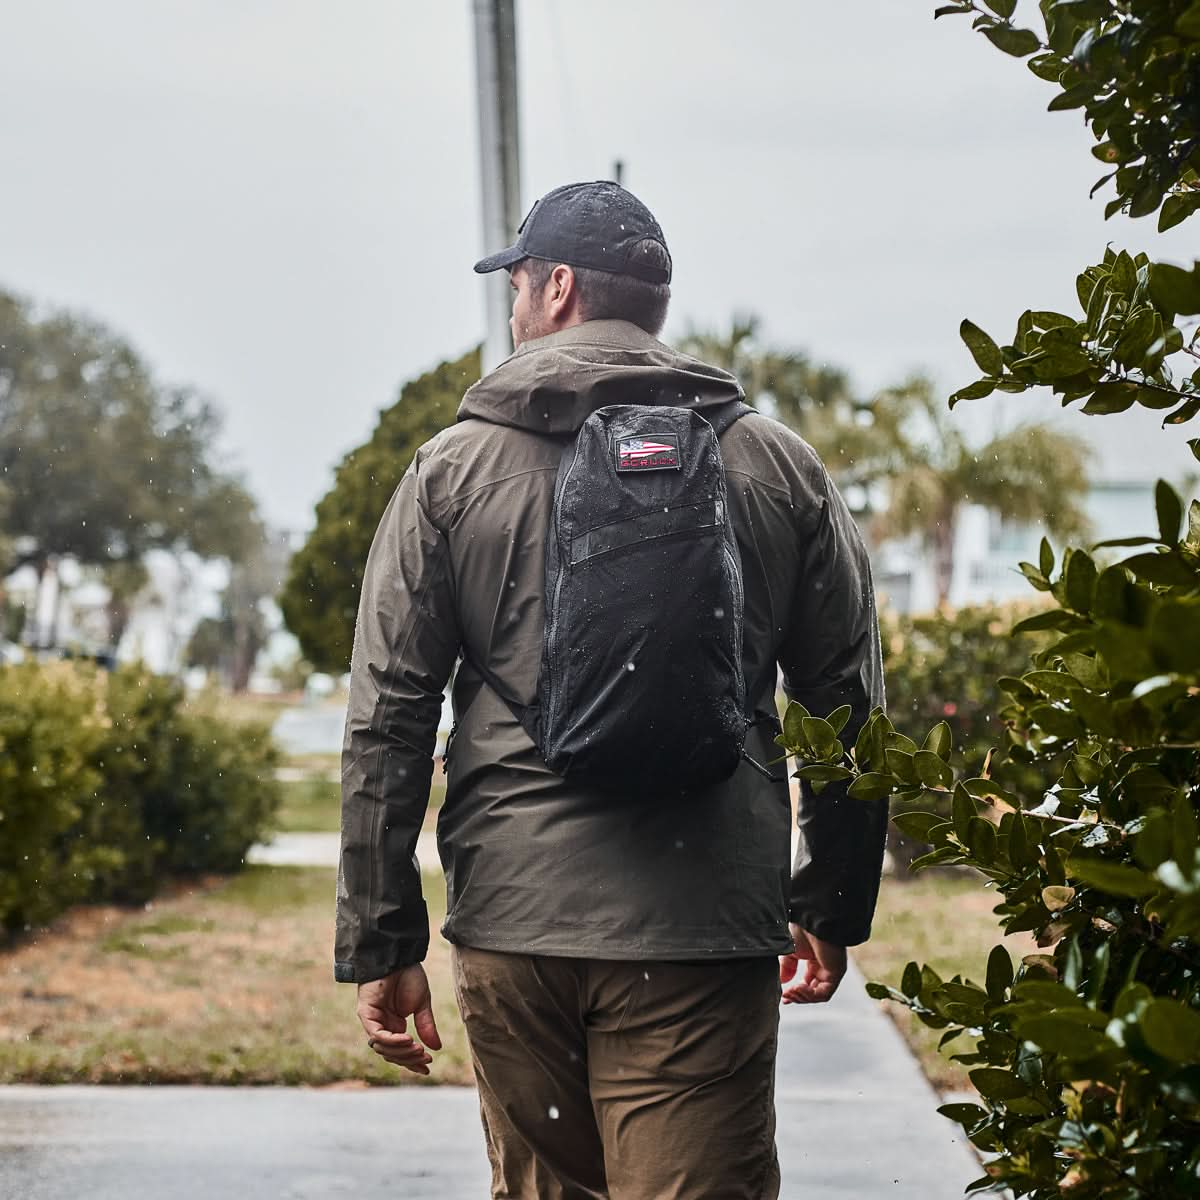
x: 499, y: 158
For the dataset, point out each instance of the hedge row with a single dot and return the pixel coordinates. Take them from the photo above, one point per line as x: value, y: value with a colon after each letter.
x: 108, y: 785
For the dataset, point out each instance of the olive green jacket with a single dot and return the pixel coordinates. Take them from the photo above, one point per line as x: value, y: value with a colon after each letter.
x: 535, y: 864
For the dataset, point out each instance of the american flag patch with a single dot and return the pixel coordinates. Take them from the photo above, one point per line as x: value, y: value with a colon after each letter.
x: 657, y: 453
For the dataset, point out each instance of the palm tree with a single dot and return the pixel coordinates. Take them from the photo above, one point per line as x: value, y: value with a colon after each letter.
x: 900, y: 458
x: 1030, y: 474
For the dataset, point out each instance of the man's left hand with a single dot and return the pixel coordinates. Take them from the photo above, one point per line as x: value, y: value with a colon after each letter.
x: 383, y: 1008
x: 824, y: 963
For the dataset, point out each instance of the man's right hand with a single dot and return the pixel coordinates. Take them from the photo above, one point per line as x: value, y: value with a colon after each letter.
x: 383, y: 1008
x: 825, y: 964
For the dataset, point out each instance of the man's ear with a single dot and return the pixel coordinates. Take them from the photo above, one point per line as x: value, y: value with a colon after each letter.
x: 561, y: 297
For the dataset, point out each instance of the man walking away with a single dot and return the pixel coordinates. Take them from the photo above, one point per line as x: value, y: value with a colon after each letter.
x: 616, y: 945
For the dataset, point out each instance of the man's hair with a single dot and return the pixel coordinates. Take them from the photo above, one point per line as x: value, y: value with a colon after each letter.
x: 605, y: 296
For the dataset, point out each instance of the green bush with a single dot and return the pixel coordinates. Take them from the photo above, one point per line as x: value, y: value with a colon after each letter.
x: 52, y: 723
x: 225, y: 795
x: 943, y: 666
x: 1088, y: 1059
x: 108, y: 784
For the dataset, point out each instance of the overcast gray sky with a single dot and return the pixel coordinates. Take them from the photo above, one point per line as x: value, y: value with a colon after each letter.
x: 277, y: 200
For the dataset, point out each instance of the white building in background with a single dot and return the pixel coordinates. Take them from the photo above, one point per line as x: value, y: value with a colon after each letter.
x: 182, y: 590
x: 1130, y: 453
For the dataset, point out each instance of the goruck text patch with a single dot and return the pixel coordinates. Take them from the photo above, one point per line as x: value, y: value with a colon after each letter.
x: 648, y: 453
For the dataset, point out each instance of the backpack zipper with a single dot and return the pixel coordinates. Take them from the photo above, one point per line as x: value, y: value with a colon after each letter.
x: 552, y: 617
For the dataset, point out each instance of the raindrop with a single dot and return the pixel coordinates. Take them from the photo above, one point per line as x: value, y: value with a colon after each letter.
x: 553, y: 1112
x: 630, y: 667
x: 719, y: 613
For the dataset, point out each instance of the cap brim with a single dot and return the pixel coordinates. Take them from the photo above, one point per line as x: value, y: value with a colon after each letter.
x: 497, y: 262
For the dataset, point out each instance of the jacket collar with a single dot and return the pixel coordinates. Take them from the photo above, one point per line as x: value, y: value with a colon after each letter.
x: 552, y: 384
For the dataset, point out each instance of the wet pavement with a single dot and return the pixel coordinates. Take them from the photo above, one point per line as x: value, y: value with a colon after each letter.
x: 857, y: 1120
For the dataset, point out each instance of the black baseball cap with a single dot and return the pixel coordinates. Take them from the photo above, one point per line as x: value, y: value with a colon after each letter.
x: 598, y: 225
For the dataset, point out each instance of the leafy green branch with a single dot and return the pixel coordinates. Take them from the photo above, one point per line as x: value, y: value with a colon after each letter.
x: 1085, y: 1054
x: 1114, y: 356
x: 1134, y: 76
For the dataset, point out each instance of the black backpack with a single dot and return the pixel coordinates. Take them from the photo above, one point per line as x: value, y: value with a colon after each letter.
x: 641, y: 687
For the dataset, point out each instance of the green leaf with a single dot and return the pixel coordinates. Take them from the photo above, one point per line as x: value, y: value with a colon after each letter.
x: 940, y: 740
x: 999, y: 973
x: 863, y: 743
x: 1172, y: 1030
x: 981, y: 840
x: 1080, y: 581
x: 1194, y: 446
x: 1160, y: 568
x: 1115, y: 878
x: 983, y: 788
x: 1052, y: 619
x: 1060, y: 1036
x: 822, y: 774
x: 966, y: 1115
x: 996, y: 1084
x: 1176, y: 209
x: 901, y: 765
x: 983, y: 350
x: 1046, y: 557
x: 1002, y: 8
x: 1046, y: 66
x: 793, y: 728
x: 973, y: 391
x: 1073, y: 97
x: 910, y: 981
x: 920, y: 825
x: 1175, y: 290
x: 872, y: 786
x: 838, y: 718
x: 819, y: 733
x: 1188, y: 24
x: 1169, y: 507
x: 964, y: 810
x: 1123, y: 277
x: 1185, y: 412
x: 933, y: 771
x: 1135, y: 338
x: 1017, y: 42
x: 1112, y: 397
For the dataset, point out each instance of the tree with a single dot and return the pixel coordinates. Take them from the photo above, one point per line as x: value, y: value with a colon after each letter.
x: 1086, y: 1057
x: 1031, y: 473
x: 100, y: 463
x: 901, y: 444
x: 230, y: 642
x: 320, y: 599
x: 816, y: 400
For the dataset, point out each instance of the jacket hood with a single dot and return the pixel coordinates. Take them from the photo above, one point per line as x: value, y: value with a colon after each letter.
x: 553, y: 384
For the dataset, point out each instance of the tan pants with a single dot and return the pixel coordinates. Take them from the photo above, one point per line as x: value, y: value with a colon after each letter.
x: 628, y: 1080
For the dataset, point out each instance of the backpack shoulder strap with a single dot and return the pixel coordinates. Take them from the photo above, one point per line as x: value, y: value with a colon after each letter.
x: 722, y: 417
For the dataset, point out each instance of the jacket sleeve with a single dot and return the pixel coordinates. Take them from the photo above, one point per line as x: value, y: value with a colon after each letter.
x: 830, y: 657
x: 405, y: 643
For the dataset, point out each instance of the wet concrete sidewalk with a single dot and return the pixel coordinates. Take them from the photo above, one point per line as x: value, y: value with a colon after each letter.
x: 857, y: 1120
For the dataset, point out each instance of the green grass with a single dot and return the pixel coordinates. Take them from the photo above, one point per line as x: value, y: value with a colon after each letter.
x: 944, y: 920
x: 230, y: 982
x: 313, y: 805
